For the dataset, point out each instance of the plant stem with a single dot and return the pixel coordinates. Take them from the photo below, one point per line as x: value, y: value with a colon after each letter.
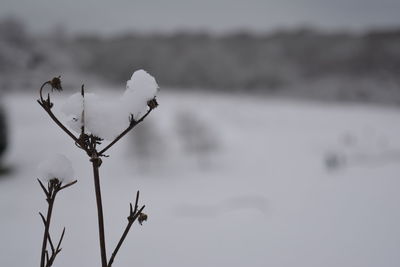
x: 131, y: 126
x: 131, y: 219
x: 46, y: 230
x: 100, y: 217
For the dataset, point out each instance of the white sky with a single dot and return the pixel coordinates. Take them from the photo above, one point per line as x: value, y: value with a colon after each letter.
x: 112, y: 16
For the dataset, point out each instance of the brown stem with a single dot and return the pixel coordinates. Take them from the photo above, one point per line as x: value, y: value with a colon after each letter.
x: 53, y: 187
x: 41, y: 89
x: 133, y: 215
x: 46, y: 230
x: 131, y: 126
x: 55, y: 251
x: 100, y: 217
x: 54, y: 118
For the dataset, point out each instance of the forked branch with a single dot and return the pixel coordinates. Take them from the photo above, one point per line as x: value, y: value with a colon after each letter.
x: 46, y: 104
x: 53, y: 187
x: 133, y: 215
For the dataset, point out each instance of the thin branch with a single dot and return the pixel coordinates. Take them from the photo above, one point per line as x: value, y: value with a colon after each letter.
x: 54, y: 118
x: 49, y: 236
x: 133, y: 123
x: 61, y: 239
x: 47, y: 258
x: 46, y: 232
x: 41, y: 90
x: 51, y: 245
x: 83, y: 110
x: 133, y: 215
x: 53, y: 187
x: 125, y: 233
x: 43, y: 188
x: 67, y: 185
x: 136, y: 202
x: 55, y: 84
x: 55, y: 251
x: 43, y: 219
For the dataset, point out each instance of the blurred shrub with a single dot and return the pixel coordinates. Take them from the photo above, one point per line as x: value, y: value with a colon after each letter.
x: 148, y: 146
x: 196, y: 137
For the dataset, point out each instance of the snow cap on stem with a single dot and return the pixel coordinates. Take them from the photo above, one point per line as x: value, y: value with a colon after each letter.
x: 108, y: 117
x: 141, y: 88
x: 58, y: 166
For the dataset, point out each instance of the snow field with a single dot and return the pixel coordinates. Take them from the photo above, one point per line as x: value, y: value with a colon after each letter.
x: 265, y: 197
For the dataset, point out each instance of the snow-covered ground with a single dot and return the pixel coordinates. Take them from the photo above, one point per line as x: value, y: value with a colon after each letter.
x: 227, y: 181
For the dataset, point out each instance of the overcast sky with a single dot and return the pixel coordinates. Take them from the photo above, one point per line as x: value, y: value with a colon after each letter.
x: 113, y: 16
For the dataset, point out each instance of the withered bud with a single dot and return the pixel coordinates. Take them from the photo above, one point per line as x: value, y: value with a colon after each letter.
x: 56, y: 84
x: 152, y: 103
x: 54, y: 181
x: 142, y: 218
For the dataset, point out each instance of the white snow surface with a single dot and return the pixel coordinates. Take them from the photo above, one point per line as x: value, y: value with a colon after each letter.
x: 107, y: 117
x: 265, y: 198
x: 57, y: 166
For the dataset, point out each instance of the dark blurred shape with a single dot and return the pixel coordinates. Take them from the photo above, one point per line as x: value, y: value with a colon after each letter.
x: 149, y: 147
x: 334, y: 161
x: 196, y: 136
x: 3, y: 133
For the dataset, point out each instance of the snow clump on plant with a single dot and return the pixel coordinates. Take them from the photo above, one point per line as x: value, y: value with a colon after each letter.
x: 107, y: 118
x: 58, y: 166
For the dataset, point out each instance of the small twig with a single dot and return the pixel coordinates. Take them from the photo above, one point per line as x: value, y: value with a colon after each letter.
x: 68, y: 185
x: 46, y: 232
x: 55, y: 84
x: 132, y: 124
x: 55, y: 251
x: 47, y: 258
x: 41, y: 90
x: 59, y: 124
x: 43, y: 188
x: 54, y: 186
x: 133, y: 215
x: 83, y: 111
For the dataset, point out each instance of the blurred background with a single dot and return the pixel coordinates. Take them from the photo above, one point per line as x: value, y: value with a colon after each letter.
x: 276, y: 142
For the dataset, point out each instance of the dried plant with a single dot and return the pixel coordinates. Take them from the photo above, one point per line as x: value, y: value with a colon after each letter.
x: 53, y: 187
x: 89, y: 143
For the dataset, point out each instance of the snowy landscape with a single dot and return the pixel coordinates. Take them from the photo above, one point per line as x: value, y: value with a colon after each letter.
x: 263, y: 133
x: 228, y: 180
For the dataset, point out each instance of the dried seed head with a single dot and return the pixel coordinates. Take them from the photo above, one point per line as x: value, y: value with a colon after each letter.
x: 142, y: 218
x: 152, y: 103
x: 56, y: 84
x: 55, y: 182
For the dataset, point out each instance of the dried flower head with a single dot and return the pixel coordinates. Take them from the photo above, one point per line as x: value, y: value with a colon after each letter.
x: 56, y: 84
x: 152, y: 103
x: 142, y: 218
